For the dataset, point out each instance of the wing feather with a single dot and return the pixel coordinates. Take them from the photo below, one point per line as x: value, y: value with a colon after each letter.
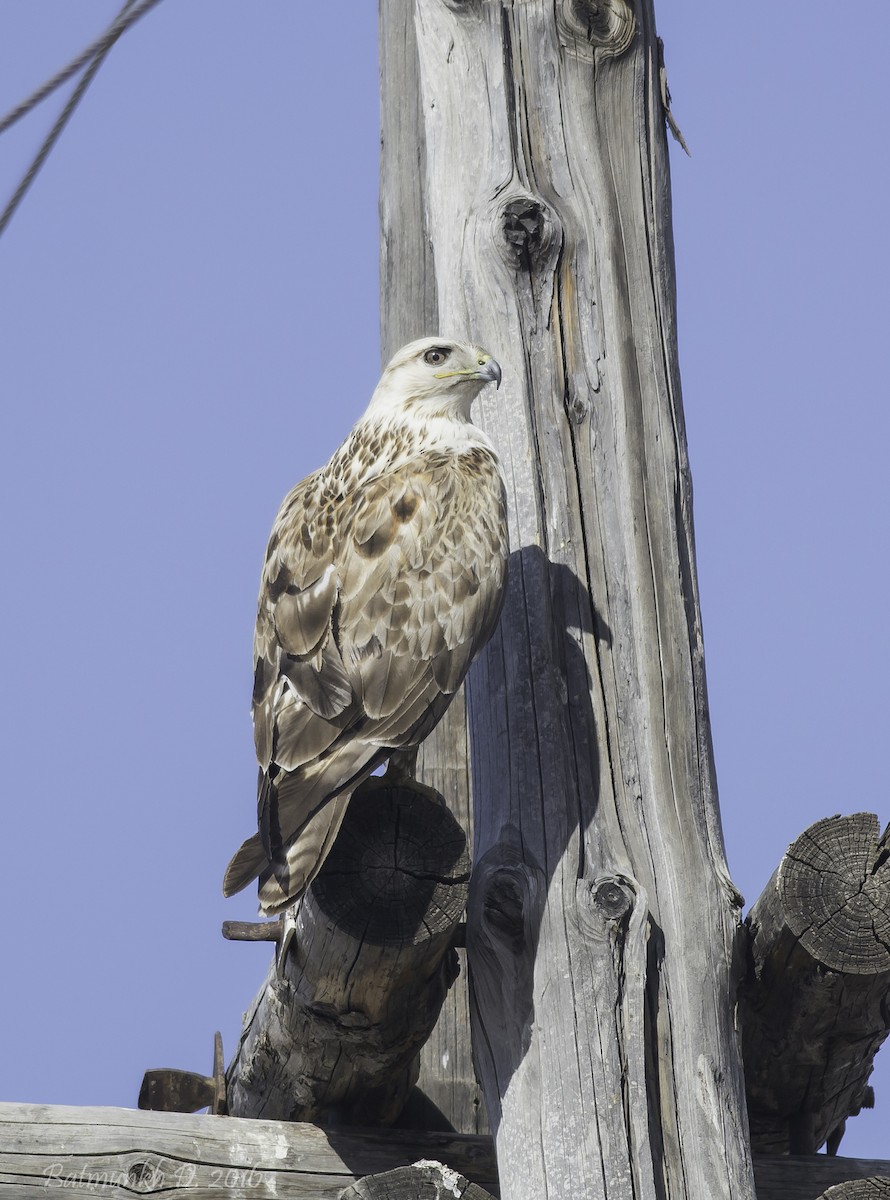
x: 375, y: 599
x: 302, y: 614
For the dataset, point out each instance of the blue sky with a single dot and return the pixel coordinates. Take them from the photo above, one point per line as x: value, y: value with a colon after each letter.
x: 188, y: 300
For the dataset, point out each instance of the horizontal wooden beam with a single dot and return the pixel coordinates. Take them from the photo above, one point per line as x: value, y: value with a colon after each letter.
x: 122, y: 1151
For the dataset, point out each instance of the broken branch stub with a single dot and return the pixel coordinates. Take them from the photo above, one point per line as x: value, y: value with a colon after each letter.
x: 814, y: 1009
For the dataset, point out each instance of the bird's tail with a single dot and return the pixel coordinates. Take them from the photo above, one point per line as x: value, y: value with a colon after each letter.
x: 284, y: 881
x: 246, y: 864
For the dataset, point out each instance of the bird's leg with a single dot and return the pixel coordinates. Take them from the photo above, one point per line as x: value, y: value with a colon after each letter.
x: 401, y: 772
x: 288, y: 930
x: 402, y: 766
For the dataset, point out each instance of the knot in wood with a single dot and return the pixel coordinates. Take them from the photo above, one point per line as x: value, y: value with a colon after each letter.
x: 145, y: 1176
x: 606, y: 25
x: 603, y: 906
x: 504, y: 907
x: 577, y: 408
x: 529, y: 232
x: 613, y: 899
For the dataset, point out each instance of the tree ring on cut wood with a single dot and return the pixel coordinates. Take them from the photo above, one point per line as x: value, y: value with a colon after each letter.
x: 399, y: 870
x: 876, y: 1187
x: 834, y: 884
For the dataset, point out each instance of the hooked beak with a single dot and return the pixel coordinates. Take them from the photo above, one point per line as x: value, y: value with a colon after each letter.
x: 490, y: 371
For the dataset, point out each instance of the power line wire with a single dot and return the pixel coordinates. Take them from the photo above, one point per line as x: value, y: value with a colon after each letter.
x: 101, y: 45
x: 98, y: 51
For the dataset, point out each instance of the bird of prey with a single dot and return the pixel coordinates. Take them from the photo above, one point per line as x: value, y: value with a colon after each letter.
x: 384, y: 578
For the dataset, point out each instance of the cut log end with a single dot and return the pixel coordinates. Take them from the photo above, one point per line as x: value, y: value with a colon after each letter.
x: 399, y: 870
x: 876, y: 1188
x: 834, y: 884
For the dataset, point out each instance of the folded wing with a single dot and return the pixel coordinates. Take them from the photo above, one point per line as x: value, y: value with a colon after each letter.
x: 373, y: 603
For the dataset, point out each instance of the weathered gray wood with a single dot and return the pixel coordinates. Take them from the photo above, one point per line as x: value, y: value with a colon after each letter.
x: 602, y: 923
x: 46, y: 1148
x: 447, y: 1075
x: 814, y: 1011
x: 409, y: 309
x: 334, y: 1034
x: 179, y: 1156
x: 406, y: 259
x: 423, y: 1181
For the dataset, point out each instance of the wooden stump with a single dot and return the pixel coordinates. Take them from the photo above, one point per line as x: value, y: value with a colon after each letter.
x: 815, y: 1009
x: 333, y: 1037
x: 422, y: 1181
x: 859, y: 1189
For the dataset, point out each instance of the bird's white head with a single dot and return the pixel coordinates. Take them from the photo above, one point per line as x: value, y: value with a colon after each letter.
x: 434, y: 377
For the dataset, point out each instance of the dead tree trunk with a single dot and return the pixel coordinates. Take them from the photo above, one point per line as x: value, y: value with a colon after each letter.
x: 815, y: 1010
x: 525, y: 203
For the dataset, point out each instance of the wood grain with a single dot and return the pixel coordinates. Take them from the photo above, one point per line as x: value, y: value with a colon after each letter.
x: 603, y: 926
x: 120, y: 1152
x: 409, y: 309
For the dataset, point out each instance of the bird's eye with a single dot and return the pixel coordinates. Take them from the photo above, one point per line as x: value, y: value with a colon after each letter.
x: 437, y: 355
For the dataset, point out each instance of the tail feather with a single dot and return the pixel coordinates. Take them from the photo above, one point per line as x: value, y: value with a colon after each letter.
x: 299, y: 814
x: 246, y: 864
x: 283, y: 881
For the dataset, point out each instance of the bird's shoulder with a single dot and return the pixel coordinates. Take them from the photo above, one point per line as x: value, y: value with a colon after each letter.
x: 380, y: 479
x: 384, y: 574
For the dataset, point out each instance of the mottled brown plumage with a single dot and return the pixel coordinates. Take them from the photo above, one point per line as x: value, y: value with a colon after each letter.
x: 384, y: 577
